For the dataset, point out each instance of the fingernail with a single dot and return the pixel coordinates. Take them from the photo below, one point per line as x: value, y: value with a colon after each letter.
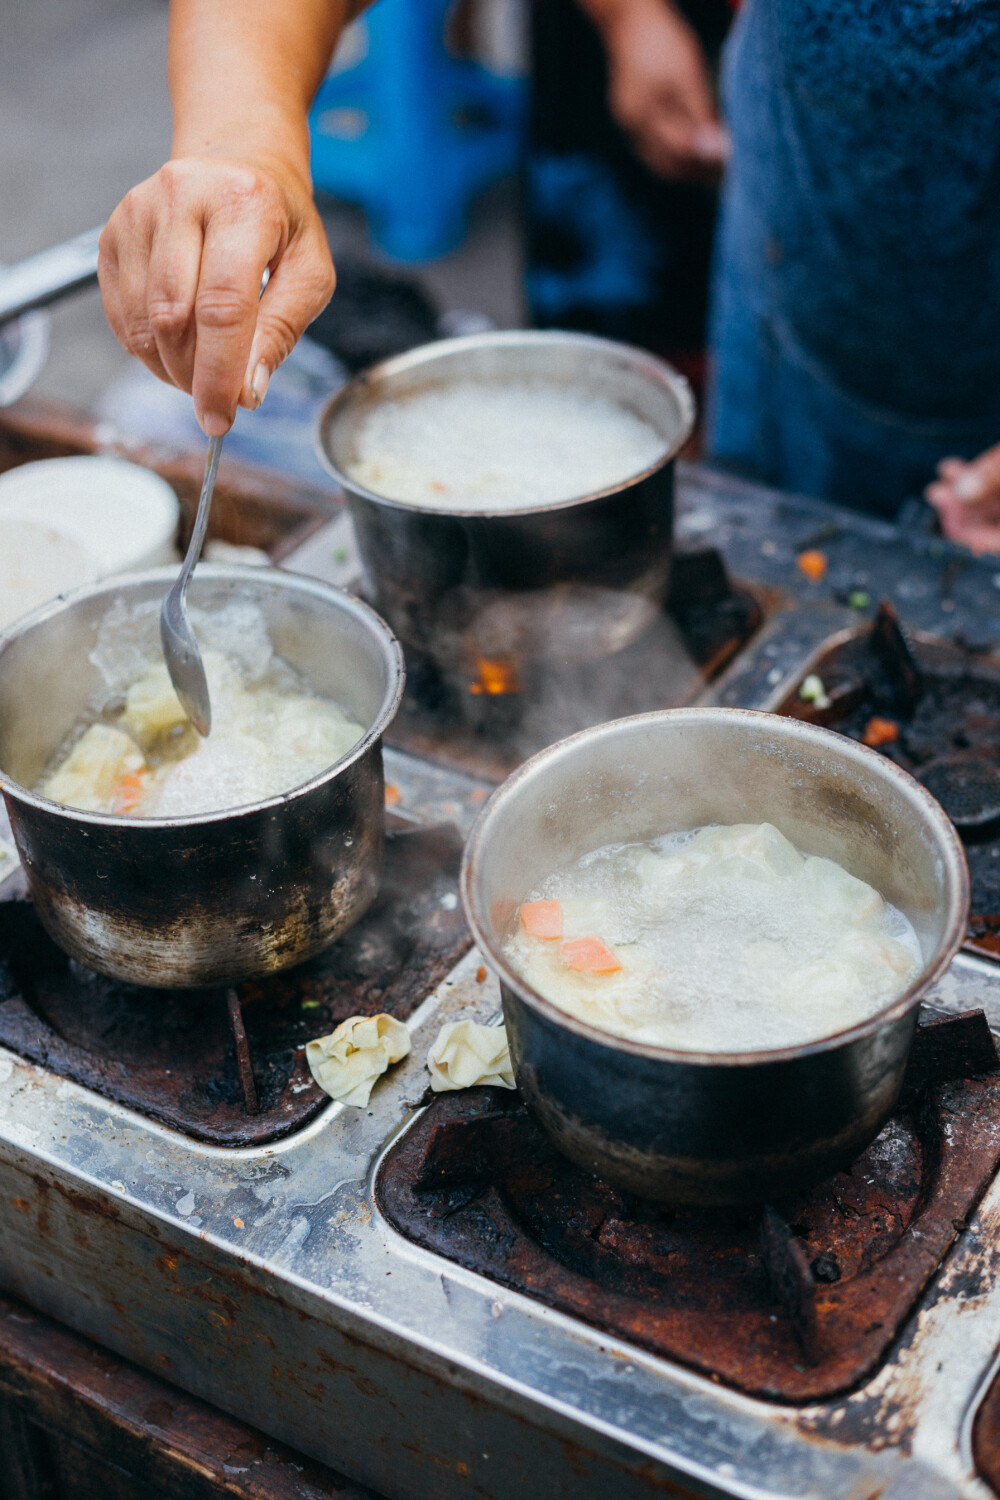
x: 711, y: 143
x: 968, y: 486
x: 213, y: 425
x: 259, y: 383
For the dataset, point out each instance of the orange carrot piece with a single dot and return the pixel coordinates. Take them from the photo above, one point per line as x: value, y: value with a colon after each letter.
x: 542, y: 919
x: 129, y: 792
x: 813, y: 565
x: 589, y: 955
x: 880, y: 732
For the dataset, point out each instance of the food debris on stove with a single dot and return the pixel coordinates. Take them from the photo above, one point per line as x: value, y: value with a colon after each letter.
x: 467, y: 1054
x: 348, y: 1063
x: 879, y: 732
x: 813, y: 691
x: 813, y: 564
x: 932, y: 706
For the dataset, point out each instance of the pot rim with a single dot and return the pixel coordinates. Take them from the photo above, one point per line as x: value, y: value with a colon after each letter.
x: 658, y: 370
x: 952, y: 851
x: 303, y: 583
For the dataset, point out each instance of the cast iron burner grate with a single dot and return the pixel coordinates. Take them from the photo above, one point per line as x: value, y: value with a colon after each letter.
x: 798, y: 1301
x: 489, y: 715
x: 172, y: 1055
x: 932, y: 706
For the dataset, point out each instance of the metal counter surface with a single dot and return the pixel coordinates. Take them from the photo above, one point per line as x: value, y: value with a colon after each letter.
x: 267, y: 1282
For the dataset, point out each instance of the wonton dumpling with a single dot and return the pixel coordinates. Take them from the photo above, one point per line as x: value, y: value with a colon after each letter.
x: 468, y: 1054
x: 90, y: 774
x: 841, y: 895
x: 348, y: 1063
x: 757, y: 849
x: 151, y: 705
x: 315, y: 733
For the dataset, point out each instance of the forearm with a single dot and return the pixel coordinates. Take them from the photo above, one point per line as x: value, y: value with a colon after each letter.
x: 243, y: 74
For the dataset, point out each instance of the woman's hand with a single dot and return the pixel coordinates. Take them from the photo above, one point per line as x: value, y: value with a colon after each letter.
x: 181, y: 263
x: 660, y: 91
x: 966, y: 496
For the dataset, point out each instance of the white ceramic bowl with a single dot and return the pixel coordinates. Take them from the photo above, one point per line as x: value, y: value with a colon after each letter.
x: 122, y: 515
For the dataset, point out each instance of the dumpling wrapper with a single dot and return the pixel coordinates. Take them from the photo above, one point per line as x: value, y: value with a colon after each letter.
x: 93, y: 768
x: 347, y: 1063
x: 466, y: 1054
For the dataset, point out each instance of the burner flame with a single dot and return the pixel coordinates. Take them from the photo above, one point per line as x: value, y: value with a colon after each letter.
x: 497, y: 676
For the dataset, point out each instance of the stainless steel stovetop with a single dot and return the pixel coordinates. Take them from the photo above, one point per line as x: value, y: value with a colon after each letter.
x: 267, y: 1282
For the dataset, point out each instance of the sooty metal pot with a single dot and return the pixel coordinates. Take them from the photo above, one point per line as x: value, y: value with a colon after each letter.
x: 220, y: 896
x: 712, y: 1128
x: 581, y: 577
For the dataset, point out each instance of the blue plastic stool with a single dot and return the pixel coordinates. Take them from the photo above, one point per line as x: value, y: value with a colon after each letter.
x: 412, y: 133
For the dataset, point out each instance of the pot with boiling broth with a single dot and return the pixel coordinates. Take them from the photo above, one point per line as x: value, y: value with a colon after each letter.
x: 512, y: 493
x: 712, y: 930
x: 158, y: 857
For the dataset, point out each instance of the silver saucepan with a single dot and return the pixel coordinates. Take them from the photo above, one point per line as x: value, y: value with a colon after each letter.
x: 221, y: 896
x: 581, y: 577
x: 722, y: 1127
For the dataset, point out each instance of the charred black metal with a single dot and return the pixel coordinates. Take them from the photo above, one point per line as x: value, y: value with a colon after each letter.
x: 172, y: 1055
x: 826, y: 1267
x: 789, y: 1273
x: 797, y: 1307
x: 950, y: 1047
x: 715, y: 616
x: 967, y: 787
x: 244, y: 1061
x: 949, y: 739
x: 892, y: 647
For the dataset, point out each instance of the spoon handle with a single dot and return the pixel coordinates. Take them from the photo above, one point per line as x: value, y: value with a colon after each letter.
x: 201, y: 519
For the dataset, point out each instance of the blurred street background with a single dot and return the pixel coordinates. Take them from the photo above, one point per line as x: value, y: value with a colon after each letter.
x: 84, y: 114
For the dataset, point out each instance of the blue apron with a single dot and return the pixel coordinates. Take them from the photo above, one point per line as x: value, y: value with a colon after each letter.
x: 855, y: 328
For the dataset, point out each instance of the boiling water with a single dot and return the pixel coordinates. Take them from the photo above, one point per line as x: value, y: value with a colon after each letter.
x: 138, y: 755
x: 482, y: 445
x: 729, y: 940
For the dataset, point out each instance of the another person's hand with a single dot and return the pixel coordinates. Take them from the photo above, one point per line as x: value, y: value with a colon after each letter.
x: 660, y: 91
x: 181, y: 263
x: 966, y: 497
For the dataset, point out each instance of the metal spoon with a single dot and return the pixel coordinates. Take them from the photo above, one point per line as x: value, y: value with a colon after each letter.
x: 180, y: 649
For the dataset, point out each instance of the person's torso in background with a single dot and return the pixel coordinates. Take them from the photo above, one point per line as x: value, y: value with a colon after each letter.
x: 865, y: 190
x: 611, y: 248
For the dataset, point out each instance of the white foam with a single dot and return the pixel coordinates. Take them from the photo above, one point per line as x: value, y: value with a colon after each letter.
x: 480, y: 445
x: 270, y: 731
x: 730, y: 940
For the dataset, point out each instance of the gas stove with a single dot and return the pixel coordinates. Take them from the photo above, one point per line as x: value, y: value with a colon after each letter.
x: 393, y: 1290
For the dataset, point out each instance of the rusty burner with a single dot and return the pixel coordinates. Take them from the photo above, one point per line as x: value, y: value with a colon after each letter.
x: 228, y: 1066
x: 933, y: 706
x: 499, y: 706
x: 796, y: 1301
